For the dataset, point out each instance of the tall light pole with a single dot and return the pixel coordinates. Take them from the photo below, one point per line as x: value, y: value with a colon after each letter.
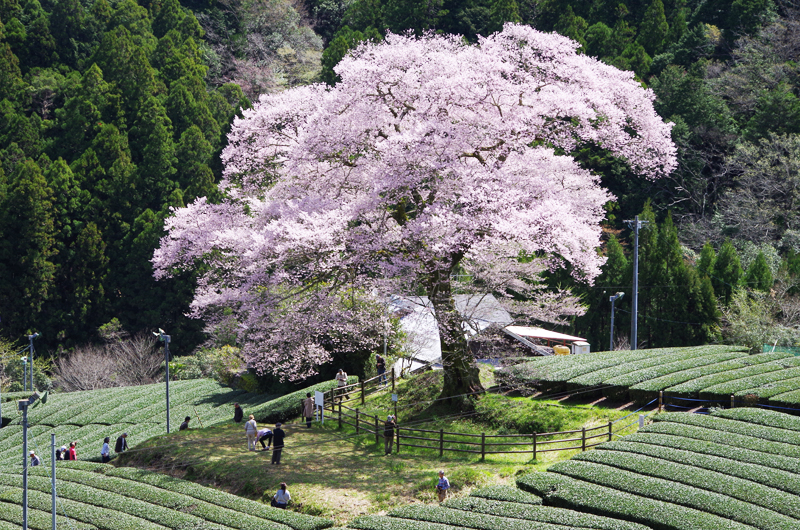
x: 24, y: 361
x: 636, y: 224
x: 163, y: 337
x: 613, y: 299
x: 30, y: 354
x: 23, y: 405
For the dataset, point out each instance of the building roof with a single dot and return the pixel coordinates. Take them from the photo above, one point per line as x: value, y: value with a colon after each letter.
x: 541, y: 333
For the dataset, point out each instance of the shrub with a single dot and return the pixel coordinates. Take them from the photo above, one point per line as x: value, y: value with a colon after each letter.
x: 375, y: 522
x: 541, y: 514
x: 691, y: 388
x: 436, y: 514
x: 731, y: 426
x: 506, y: 493
x: 749, y: 490
x: 566, y: 492
x: 524, y: 417
x: 669, y: 491
x: 732, y: 465
x: 745, y: 383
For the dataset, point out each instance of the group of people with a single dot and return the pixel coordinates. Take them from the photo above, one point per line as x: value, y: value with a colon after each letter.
x: 273, y: 437
x: 71, y: 453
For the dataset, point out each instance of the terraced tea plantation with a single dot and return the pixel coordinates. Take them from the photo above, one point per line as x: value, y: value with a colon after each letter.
x: 707, y: 373
x: 100, y: 496
x: 735, y: 470
x: 88, y: 417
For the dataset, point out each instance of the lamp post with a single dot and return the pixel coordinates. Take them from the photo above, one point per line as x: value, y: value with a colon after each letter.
x: 636, y: 224
x: 613, y: 299
x: 24, y: 361
x: 30, y: 354
x: 23, y: 405
x: 163, y: 337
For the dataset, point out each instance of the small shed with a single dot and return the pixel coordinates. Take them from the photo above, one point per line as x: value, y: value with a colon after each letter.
x: 525, y: 333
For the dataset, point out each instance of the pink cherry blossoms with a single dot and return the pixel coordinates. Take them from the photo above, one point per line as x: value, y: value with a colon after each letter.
x: 429, y: 158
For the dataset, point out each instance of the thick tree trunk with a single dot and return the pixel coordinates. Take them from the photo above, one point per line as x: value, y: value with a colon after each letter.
x: 461, y: 378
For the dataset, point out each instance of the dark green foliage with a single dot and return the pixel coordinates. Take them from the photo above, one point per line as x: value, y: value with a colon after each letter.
x: 727, y: 272
x: 759, y: 275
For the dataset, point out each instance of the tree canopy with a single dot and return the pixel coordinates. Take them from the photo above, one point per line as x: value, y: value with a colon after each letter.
x: 431, y: 158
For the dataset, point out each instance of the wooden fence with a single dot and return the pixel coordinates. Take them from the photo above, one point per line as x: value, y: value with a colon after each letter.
x: 482, y: 444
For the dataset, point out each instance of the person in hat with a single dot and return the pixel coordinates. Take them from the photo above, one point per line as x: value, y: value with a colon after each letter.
x: 278, y: 435
x: 35, y: 460
x: 388, y: 433
x: 122, y: 444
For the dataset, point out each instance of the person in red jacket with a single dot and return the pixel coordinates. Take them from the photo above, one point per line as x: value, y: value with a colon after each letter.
x: 73, y: 455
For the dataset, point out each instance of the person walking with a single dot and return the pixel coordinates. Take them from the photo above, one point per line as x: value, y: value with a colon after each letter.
x: 238, y: 413
x: 388, y: 433
x: 442, y: 486
x: 185, y: 425
x: 380, y: 365
x: 277, y: 439
x: 105, y: 451
x: 265, y: 434
x: 341, y: 382
x: 35, y: 460
x: 122, y: 444
x: 251, y: 429
x: 308, y: 409
x: 73, y: 453
x: 281, y: 498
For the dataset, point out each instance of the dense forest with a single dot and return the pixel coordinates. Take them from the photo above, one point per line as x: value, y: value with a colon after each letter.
x: 113, y: 112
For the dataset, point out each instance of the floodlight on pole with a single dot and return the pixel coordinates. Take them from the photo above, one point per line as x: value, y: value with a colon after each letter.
x: 24, y: 361
x: 636, y: 224
x: 30, y: 353
x: 23, y: 405
x: 163, y: 337
x: 613, y: 299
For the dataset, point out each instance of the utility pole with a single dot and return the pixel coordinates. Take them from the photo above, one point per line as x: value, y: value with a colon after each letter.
x: 163, y: 337
x: 30, y: 354
x: 23, y: 405
x: 53, y: 474
x: 636, y: 224
x: 613, y: 299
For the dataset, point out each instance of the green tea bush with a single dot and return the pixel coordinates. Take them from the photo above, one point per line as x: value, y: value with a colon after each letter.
x: 723, y: 438
x: 376, y: 522
x: 566, y: 492
x: 781, y: 387
x: 288, y: 406
x: 540, y: 514
x: 693, y: 387
x: 765, y: 475
x: 673, y: 492
x: 11, y: 515
x: 749, y: 490
x: 437, y: 514
x: 506, y: 493
x: 632, y: 378
x: 732, y: 387
x: 731, y: 426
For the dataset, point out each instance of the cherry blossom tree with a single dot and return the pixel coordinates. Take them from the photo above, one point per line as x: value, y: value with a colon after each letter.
x: 433, y: 167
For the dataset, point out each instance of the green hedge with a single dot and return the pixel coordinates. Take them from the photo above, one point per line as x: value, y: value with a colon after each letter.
x: 666, y: 382
x: 377, y: 522
x: 788, y: 399
x: 768, y: 418
x: 693, y: 387
x: 480, y: 521
x: 11, y: 515
x: 288, y: 406
x: 783, y: 386
x: 163, y: 499
x: 749, y: 490
x: 294, y: 520
x: 101, y: 518
x: 506, y: 493
x: 653, y: 359
x: 669, y: 491
x: 703, y: 447
x: 541, y: 514
x: 730, y: 465
x: 566, y: 492
x: 730, y: 426
x: 745, y: 383
x: 633, y: 378
x: 724, y: 438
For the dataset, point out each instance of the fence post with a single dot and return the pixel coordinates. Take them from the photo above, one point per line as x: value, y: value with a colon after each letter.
x: 356, y: 421
x: 732, y: 401
x: 660, y: 400
x: 376, y: 430
x: 483, y: 446
x: 441, y: 443
x: 610, y: 426
x: 362, y: 392
x: 340, y: 414
x: 534, y: 446
x: 583, y: 438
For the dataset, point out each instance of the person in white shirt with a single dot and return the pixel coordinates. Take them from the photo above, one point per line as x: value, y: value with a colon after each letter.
x: 341, y: 379
x: 105, y: 451
x: 251, y: 429
x: 282, y: 497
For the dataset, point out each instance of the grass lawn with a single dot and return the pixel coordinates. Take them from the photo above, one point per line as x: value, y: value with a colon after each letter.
x: 336, y: 474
